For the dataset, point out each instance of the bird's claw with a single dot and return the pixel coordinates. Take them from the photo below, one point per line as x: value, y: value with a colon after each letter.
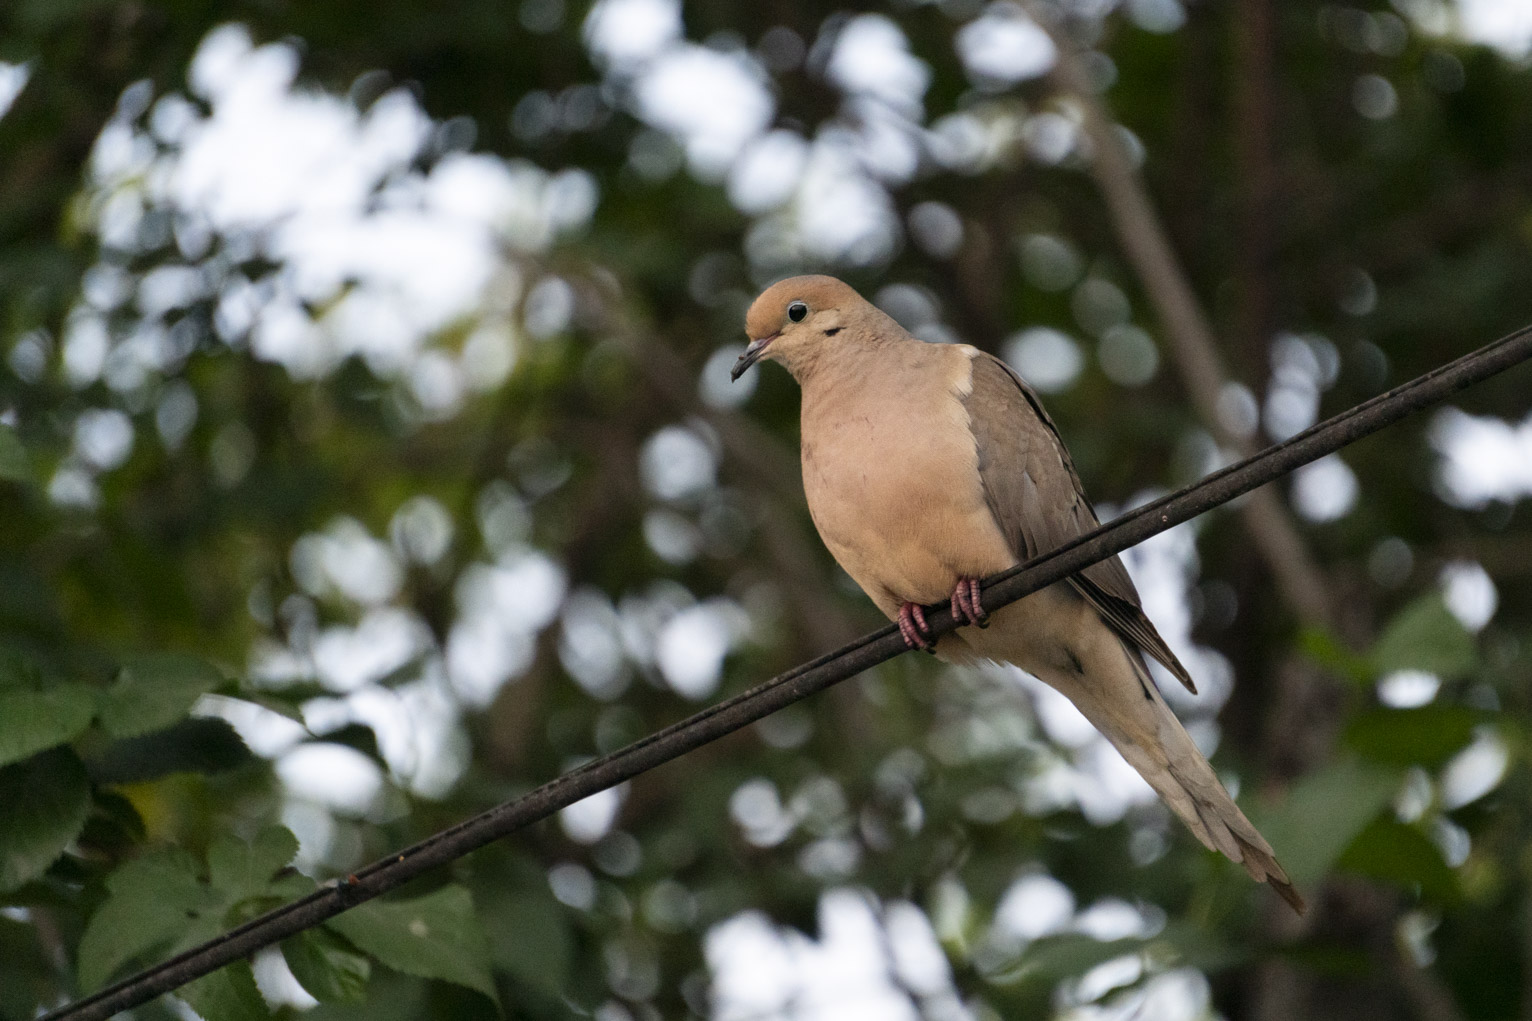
x: 967, y: 609
x: 966, y: 604
x: 912, y: 625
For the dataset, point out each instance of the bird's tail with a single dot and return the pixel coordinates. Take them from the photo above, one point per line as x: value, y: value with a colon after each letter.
x: 1108, y: 681
x: 1185, y: 780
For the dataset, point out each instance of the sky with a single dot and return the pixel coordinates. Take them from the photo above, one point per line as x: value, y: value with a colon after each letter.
x: 1503, y: 24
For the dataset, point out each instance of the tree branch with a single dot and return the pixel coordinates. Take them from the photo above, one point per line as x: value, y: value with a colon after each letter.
x: 1192, y: 345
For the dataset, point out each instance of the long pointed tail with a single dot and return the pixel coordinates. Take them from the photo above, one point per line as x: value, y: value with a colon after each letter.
x: 1058, y: 637
x: 1208, y: 811
x: 1183, y: 777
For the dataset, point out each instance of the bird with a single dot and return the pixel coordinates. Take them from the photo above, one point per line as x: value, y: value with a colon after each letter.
x: 929, y: 466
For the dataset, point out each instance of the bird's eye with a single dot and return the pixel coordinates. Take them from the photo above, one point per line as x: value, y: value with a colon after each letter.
x: 796, y: 311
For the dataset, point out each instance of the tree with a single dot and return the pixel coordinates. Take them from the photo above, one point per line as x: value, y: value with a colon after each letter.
x: 368, y: 458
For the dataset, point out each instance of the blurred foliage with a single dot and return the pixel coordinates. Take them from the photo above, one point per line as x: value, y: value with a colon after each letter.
x: 191, y: 571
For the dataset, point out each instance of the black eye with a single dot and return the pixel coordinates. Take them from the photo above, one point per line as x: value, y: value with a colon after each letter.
x: 796, y: 311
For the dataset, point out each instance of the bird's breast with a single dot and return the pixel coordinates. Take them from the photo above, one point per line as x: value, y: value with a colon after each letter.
x: 890, y: 470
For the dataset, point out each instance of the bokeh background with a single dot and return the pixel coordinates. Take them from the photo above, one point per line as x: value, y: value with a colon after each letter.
x: 368, y: 456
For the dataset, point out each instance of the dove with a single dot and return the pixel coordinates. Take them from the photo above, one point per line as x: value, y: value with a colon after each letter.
x: 928, y: 467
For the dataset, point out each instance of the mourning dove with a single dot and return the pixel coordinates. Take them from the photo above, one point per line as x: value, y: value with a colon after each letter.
x: 930, y: 466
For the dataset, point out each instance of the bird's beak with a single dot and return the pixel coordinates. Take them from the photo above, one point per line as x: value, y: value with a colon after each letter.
x: 751, y: 356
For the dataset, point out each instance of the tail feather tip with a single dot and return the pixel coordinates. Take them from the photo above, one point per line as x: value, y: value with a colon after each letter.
x: 1288, y: 892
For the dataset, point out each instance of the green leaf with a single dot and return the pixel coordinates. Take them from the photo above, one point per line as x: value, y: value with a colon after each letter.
x: 1326, y: 650
x: 1427, y: 736
x: 198, y: 745
x: 1396, y: 853
x: 153, y: 692
x: 44, y: 802
x: 228, y: 994
x: 290, y: 885
x: 1053, y: 958
x: 435, y: 936
x: 280, y: 706
x: 238, y: 870
x: 159, y: 902
x: 30, y: 978
x: 1323, y: 812
x: 327, y: 967
x: 15, y: 465
x: 529, y: 935
x: 31, y: 721
x: 358, y: 736
x: 154, y: 901
x: 1426, y: 636
x: 16, y: 670
x: 119, y: 813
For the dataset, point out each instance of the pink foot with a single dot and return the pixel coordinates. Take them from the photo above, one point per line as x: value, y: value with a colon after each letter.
x: 966, y: 605
x: 912, y: 625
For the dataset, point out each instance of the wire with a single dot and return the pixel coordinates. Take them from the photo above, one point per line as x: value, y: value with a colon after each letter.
x: 732, y: 714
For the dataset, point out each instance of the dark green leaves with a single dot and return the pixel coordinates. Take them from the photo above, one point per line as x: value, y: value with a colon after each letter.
x: 153, y: 901
x: 228, y: 994
x: 145, y: 709
x: 160, y: 903
x: 1323, y: 813
x: 153, y: 692
x: 1054, y: 958
x: 1427, y: 736
x: 1426, y: 636
x: 530, y: 936
x: 1324, y: 648
x: 32, y: 720
x: 435, y: 936
x: 243, y: 870
x: 1423, y: 636
x: 44, y: 802
x: 1401, y: 854
x: 15, y: 465
x: 193, y: 745
x: 327, y: 967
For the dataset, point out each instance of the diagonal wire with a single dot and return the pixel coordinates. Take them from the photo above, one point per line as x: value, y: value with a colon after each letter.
x: 714, y: 722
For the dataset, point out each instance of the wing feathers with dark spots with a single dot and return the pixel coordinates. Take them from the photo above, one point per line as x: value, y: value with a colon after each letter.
x: 1035, y: 495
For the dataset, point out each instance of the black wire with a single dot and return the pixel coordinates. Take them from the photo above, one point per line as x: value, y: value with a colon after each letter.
x: 764, y: 699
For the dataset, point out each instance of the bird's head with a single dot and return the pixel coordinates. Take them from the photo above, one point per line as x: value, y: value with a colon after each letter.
x: 793, y: 320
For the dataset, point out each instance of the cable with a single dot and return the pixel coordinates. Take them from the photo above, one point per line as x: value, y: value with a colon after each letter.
x: 764, y: 699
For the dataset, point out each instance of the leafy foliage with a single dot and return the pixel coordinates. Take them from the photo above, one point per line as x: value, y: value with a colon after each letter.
x: 295, y: 537
x: 1324, y: 812
x: 35, y: 720
x: 154, y: 692
x: 1428, y: 736
x: 326, y: 967
x: 153, y: 903
x: 1426, y: 636
x: 435, y: 936
x: 14, y: 463
x: 230, y: 992
x: 46, y: 801
x: 162, y: 903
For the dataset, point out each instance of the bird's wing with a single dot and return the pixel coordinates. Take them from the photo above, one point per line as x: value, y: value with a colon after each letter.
x: 1032, y: 490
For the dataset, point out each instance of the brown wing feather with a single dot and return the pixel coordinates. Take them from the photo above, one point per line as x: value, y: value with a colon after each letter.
x: 1032, y: 489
